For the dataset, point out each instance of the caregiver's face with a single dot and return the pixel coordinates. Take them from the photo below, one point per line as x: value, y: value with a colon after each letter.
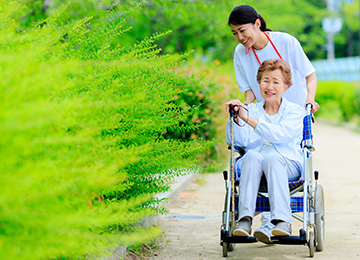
x: 246, y: 34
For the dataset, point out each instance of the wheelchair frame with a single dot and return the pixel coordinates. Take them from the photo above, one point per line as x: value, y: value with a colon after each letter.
x: 312, y: 233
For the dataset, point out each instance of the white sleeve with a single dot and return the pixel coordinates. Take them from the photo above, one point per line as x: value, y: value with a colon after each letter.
x: 288, y: 128
x: 240, y: 75
x: 299, y: 59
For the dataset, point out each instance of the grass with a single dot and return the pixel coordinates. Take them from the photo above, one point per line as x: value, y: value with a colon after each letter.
x: 141, y: 252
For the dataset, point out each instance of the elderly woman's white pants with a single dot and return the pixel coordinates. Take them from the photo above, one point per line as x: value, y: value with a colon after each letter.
x: 278, y: 171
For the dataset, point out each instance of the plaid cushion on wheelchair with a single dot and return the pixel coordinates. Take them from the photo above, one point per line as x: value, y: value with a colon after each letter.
x: 263, y: 204
x: 296, y: 203
x: 307, y: 135
x: 292, y: 185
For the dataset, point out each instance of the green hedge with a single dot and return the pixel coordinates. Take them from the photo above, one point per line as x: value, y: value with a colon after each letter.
x: 338, y: 100
x: 85, y: 132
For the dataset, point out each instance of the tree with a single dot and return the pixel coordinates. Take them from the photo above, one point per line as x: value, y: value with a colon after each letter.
x: 348, y: 41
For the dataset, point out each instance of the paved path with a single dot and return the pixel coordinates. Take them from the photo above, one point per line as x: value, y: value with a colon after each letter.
x: 191, y: 229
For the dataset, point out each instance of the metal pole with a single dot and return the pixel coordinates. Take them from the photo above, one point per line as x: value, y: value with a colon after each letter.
x: 330, y: 36
x: 330, y: 46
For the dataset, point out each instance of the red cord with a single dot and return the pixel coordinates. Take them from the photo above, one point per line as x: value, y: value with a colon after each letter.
x: 271, y: 44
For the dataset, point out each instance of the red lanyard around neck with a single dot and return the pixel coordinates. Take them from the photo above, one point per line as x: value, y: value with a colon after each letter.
x: 267, y: 36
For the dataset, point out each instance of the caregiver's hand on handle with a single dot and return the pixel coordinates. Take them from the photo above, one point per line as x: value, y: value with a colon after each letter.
x: 315, y: 105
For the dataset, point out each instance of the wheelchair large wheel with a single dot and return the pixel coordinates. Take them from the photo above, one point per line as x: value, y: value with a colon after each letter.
x: 319, y: 218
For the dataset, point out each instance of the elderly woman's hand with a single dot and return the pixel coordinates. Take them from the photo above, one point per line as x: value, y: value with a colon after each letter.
x: 236, y: 104
x: 242, y: 112
x: 238, y: 108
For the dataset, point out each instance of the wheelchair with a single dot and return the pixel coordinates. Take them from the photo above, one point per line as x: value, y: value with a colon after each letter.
x: 306, y: 198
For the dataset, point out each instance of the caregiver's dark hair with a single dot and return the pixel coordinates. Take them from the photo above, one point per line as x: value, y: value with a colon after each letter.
x: 244, y: 14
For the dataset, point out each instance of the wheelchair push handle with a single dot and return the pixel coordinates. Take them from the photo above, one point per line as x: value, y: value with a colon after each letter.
x: 307, y: 131
x: 309, y: 107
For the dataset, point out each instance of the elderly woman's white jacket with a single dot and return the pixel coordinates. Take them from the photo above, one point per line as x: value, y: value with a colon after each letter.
x: 285, y: 132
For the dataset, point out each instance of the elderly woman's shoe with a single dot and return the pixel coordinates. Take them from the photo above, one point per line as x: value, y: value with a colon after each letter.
x: 281, y: 229
x: 242, y: 228
x: 263, y: 234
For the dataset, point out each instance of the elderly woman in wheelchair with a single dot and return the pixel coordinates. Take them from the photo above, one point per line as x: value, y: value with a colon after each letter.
x: 271, y: 132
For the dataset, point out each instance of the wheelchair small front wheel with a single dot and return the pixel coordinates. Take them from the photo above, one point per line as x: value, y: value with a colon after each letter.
x: 319, y: 218
x: 225, y: 249
x: 311, y: 244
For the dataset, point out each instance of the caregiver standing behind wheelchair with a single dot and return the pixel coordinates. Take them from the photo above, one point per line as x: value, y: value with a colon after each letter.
x: 259, y: 43
x: 271, y: 132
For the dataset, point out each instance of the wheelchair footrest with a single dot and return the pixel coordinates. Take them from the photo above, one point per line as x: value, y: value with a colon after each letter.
x: 286, y: 240
x: 291, y: 240
x: 225, y: 237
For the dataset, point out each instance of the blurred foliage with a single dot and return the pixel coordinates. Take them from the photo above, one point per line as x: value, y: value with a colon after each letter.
x: 83, y: 126
x: 347, y: 42
x: 202, y: 25
x: 339, y: 100
x: 220, y: 74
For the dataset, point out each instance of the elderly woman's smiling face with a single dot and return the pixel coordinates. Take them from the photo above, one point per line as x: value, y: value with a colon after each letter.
x: 272, y: 86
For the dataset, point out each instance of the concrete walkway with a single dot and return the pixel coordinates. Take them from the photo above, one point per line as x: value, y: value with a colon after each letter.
x: 192, y: 227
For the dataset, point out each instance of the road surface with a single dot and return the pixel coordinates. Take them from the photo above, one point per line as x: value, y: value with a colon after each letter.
x: 192, y: 226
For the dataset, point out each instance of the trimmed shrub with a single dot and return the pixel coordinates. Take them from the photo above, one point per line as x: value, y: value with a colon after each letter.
x: 84, y: 135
